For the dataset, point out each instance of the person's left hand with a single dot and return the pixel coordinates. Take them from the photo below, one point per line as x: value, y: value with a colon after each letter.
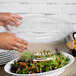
x: 9, y: 19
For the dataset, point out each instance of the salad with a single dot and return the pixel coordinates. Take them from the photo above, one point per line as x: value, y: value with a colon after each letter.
x: 27, y: 65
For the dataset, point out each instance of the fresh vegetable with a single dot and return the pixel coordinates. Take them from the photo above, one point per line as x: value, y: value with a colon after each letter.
x: 27, y: 65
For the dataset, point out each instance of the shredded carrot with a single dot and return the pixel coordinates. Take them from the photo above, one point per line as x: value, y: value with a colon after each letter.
x: 42, y: 51
x: 17, y: 63
x: 58, y: 59
x: 35, y: 61
x: 23, y: 59
x: 29, y: 68
x: 57, y: 65
x: 46, y: 61
x: 22, y: 63
x: 34, y: 66
x: 40, y: 56
x: 33, y: 73
x: 61, y: 57
x: 47, y: 67
x: 26, y: 66
x: 50, y: 55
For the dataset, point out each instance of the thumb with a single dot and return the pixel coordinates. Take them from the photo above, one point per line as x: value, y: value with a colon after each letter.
x: 6, y: 27
x: 14, y: 34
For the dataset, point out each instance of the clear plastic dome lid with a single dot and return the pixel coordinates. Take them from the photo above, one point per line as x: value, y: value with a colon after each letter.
x: 37, y: 28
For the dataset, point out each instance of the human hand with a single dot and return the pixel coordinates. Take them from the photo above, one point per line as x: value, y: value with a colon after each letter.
x: 9, y: 19
x: 9, y: 41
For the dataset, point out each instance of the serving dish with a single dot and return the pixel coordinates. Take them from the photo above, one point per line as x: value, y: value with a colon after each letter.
x: 49, y: 73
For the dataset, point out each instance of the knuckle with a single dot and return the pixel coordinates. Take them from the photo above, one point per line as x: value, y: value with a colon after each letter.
x: 14, y: 48
x: 9, y: 13
x: 11, y: 48
x: 18, y: 49
x: 22, y: 46
x: 25, y: 47
x: 14, y: 38
x: 9, y: 18
x: 14, y: 43
x: 22, y: 41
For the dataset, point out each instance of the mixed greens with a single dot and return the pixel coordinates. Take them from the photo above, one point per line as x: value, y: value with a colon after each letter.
x: 27, y: 65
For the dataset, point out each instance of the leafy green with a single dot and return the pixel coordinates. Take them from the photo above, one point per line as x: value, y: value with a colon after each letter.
x: 26, y: 65
x: 27, y: 55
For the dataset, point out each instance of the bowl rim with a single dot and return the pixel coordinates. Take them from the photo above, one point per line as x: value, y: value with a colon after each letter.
x: 66, y: 54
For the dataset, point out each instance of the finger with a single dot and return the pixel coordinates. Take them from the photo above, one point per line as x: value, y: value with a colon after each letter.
x: 6, y: 27
x: 17, y: 16
x: 16, y: 22
x: 22, y: 41
x: 17, y: 49
x: 1, y: 23
x: 13, y: 24
x: 8, y: 23
x: 14, y: 34
x: 21, y: 46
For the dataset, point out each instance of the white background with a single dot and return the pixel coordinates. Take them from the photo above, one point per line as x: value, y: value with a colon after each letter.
x: 61, y: 8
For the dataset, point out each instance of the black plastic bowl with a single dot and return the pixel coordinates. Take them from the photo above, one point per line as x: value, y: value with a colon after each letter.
x: 73, y: 52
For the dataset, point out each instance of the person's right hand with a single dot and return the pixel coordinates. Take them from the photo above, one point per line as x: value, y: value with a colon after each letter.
x: 9, y: 41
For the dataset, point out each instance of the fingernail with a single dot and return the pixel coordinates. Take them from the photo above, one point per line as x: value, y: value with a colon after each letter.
x: 28, y: 48
x: 27, y: 42
x: 14, y: 33
x: 22, y: 50
x: 19, y: 23
x: 21, y: 18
